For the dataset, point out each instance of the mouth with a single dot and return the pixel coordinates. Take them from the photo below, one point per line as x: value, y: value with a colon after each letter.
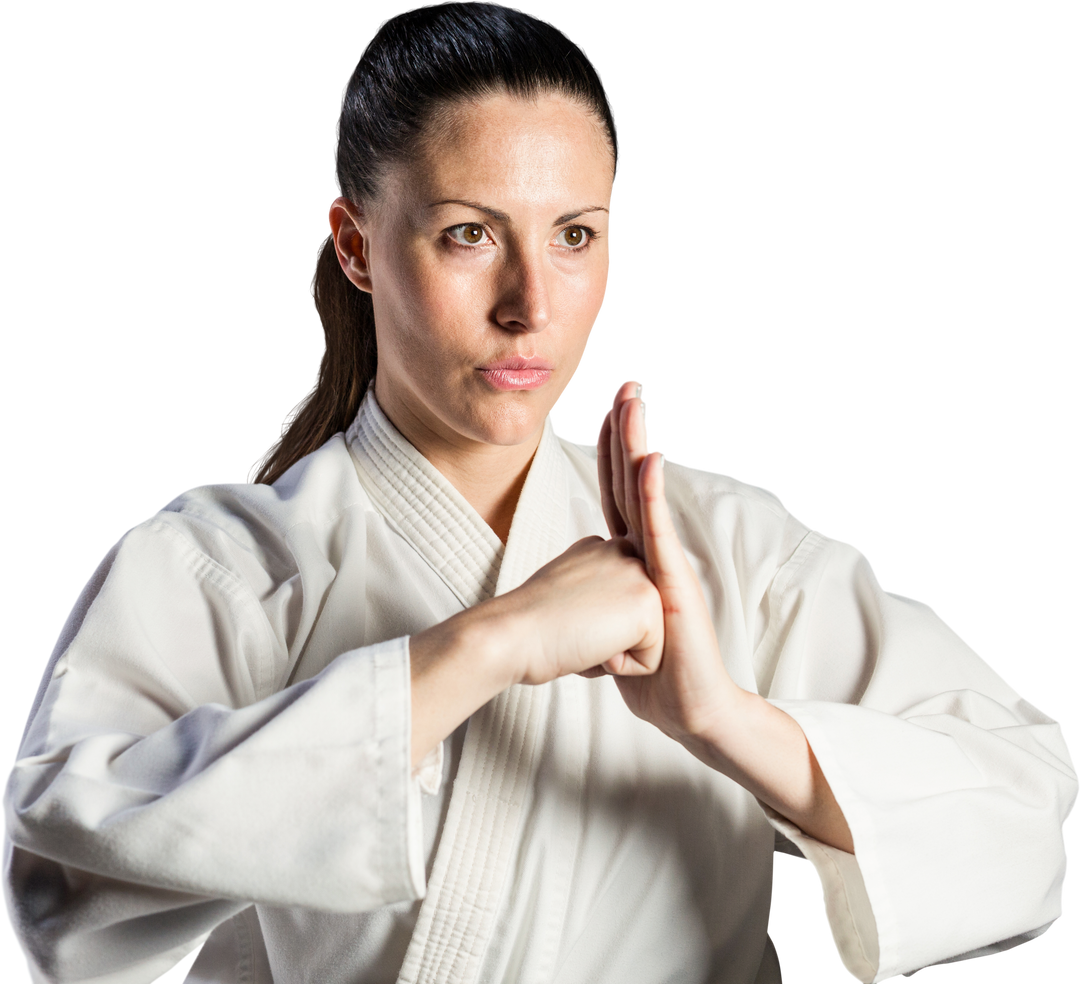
x: 516, y: 373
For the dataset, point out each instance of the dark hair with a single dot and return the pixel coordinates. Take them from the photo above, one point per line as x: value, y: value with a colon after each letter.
x: 419, y: 62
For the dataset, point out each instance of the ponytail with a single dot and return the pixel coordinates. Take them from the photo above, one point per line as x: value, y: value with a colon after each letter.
x: 348, y: 366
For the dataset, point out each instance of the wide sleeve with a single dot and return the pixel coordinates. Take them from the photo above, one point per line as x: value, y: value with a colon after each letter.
x: 955, y: 789
x: 158, y: 791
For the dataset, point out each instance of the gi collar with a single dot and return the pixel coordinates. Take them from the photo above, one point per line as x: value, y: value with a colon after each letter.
x: 443, y: 527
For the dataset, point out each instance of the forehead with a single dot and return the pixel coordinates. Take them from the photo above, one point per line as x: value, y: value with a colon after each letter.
x: 504, y: 149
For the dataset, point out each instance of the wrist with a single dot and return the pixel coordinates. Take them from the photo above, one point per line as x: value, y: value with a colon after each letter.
x: 490, y: 634
x: 714, y: 736
x: 764, y: 750
x: 455, y: 668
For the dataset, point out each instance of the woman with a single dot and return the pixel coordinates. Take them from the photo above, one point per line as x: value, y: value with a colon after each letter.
x: 264, y: 692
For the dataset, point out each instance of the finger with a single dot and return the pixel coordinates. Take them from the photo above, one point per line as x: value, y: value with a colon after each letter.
x: 618, y: 493
x: 615, y: 524
x: 664, y: 558
x: 627, y: 391
x: 633, y: 664
x: 634, y: 449
x: 593, y: 671
x: 626, y: 664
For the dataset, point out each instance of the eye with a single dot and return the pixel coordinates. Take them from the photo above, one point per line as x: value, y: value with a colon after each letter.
x: 577, y: 234
x: 468, y: 234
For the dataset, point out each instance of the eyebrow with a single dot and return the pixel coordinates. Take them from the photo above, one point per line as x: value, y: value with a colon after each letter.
x: 503, y: 217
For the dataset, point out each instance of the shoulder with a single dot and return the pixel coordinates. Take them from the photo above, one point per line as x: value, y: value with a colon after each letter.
x: 245, y: 523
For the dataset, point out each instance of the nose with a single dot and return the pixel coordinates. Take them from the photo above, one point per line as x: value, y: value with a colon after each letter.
x: 524, y: 298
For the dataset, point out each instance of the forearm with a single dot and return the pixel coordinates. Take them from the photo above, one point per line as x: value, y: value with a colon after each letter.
x: 764, y: 750
x: 455, y: 668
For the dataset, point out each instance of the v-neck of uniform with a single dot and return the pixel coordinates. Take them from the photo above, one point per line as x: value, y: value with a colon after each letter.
x: 441, y: 525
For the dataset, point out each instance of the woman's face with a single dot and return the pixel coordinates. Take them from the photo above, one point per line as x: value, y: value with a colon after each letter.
x: 486, y: 258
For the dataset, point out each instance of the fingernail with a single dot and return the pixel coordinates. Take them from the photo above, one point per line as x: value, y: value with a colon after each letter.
x: 637, y: 392
x: 661, y: 461
x: 643, y: 408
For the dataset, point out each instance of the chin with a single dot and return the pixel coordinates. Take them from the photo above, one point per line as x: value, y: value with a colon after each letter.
x: 506, y: 423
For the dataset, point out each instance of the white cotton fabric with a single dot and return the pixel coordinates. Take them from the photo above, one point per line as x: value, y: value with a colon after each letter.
x: 221, y: 750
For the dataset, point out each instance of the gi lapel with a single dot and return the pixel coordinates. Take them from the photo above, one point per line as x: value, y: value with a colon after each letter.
x: 425, y: 508
x: 498, y: 762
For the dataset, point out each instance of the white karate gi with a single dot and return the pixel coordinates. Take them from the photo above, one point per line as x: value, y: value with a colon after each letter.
x: 226, y: 722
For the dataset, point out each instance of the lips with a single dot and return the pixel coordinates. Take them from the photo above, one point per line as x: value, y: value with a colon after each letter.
x: 516, y: 373
x: 516, y: 362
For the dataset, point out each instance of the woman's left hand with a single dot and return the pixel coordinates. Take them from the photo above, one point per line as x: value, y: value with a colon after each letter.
x: 692, y: 688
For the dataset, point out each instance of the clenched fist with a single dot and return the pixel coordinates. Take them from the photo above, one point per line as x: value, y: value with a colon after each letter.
x: 591, y: 609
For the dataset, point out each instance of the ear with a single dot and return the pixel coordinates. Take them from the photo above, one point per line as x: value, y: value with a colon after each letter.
x: 347, y: 227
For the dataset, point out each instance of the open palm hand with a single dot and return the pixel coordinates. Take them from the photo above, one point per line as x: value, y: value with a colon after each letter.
x: 691, y: 687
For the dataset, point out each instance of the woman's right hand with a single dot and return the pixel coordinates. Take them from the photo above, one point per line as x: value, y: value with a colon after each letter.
x: 591, y: 610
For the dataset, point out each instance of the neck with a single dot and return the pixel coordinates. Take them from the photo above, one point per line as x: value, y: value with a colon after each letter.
x: 498, y: 511
x: 490, y: 477
x: 490, y: 482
